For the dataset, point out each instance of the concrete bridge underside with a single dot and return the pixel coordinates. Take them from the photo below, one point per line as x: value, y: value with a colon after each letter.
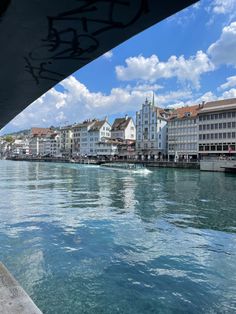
x: 42, y: 42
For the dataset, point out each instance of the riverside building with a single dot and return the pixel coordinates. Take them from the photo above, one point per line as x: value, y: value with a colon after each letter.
x: 217, y: 129
x: 66, y: 141
x: 123, y: 128
x: 151, y: 126
x: 183, y: 133
x: 43, y: 141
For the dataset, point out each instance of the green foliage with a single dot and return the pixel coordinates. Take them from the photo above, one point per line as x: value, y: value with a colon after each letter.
x: 9, y: 139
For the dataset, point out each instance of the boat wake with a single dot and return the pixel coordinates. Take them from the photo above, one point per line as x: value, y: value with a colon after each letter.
x: 144, y: 171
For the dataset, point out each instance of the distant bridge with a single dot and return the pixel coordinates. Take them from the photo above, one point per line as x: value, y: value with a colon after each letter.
x: 42, y: 42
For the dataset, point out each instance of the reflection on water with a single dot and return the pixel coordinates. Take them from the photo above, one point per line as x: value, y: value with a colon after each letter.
x: 84, y: 239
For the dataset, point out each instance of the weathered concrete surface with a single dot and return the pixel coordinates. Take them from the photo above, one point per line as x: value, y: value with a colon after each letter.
x: 13, y: 299
x: 172, y: 164
x: 216, y: 165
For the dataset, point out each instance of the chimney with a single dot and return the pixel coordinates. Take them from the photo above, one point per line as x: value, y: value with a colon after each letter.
x: 126, y: 117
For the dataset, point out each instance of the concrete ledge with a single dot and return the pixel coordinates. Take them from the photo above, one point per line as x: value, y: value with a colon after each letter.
x: 216, y: 165
x: 13, y: 299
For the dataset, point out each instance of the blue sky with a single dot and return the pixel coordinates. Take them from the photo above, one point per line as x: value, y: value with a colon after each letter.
x: 185, y: 59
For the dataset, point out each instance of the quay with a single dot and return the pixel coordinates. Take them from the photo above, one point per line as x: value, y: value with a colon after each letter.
x: 215, y: 165
x: 13, y: 299
x: 218, y: 165
x: 146, y: 163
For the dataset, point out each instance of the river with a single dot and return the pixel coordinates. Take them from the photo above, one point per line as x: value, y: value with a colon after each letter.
x: 87, y: 239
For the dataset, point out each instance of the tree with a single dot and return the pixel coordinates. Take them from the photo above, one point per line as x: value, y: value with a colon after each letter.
x: 9, y: 139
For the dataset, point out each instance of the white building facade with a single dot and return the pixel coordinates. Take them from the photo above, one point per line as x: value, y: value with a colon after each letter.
x: 183, y: 134
x: 123, y: 128
x: 151, y: 128
x: 217, y: 129
x: 66, y: 135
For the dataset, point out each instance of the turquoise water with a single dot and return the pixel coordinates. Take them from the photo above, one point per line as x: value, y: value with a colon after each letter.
x: 86, y: 239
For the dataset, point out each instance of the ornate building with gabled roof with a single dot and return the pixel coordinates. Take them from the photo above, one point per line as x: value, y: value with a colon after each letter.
x: 151, y: 125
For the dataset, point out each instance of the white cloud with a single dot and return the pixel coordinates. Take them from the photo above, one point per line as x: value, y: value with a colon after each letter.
x: 223, y: 6
x: 76, y: 103
x: 230, y: 93
x: 196, y: 5
x: 151, y: 69
x: 231, y: 82
x: 144, y: 87
x: 208, y: 96
x: 108, y: 55
x: 223, y: 51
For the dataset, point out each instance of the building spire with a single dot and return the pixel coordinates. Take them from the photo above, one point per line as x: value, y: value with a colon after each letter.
x: 153, y: 101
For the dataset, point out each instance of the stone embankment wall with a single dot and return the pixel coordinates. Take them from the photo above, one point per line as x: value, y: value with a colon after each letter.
x: 216, y: 165
x: 169, y: 164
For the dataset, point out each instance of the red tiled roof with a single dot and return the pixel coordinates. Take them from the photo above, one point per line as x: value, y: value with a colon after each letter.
x: 41, y: 131
x: 185, y: 112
